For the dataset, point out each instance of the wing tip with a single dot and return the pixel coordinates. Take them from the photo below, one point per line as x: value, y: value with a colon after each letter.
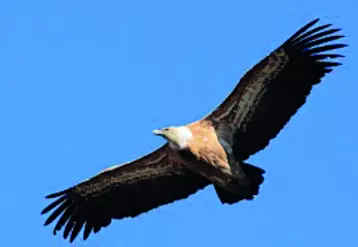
x: 315, y: 41
x: 303, y: 29
x: 314, y: 21
x: 57, y: 194
x: 307, y: 31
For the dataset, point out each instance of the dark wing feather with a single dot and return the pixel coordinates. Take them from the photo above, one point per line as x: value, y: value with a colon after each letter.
x: 273, y: 90
x: 122, y: 191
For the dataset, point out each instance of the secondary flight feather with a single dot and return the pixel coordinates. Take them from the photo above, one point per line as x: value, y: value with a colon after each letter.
x: 210, y: 151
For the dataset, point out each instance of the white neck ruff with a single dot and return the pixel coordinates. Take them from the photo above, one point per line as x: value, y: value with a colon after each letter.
x: 184, y: 137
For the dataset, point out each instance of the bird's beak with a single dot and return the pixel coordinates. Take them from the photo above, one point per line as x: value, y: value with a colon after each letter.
x: 157, y: 132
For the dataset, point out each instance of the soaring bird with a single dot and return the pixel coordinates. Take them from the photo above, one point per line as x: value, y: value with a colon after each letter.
x: 210, y: 151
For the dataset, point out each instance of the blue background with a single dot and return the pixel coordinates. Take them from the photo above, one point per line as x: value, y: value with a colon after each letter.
x: 83, y: 84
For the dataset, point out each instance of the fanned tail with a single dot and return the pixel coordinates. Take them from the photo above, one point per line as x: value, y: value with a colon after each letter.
x: 245, y: 187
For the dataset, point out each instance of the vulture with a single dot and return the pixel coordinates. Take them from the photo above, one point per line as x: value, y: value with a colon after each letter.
x: 210, y: 151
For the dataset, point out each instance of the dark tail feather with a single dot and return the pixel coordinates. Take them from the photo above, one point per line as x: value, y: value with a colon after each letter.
x: 254, y: 176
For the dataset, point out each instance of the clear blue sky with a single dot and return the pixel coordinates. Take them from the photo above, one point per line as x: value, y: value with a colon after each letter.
x: 83, y: 84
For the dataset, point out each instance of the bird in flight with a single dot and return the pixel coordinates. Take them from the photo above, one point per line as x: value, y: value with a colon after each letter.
x: 210, y: 151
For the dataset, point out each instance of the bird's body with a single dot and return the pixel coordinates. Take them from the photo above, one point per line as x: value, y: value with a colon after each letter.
x: 204, y: 154
x: 206, y: 149
x: 211, y: 151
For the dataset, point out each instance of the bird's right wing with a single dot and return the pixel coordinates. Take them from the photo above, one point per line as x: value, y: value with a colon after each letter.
x: 271, y: 92
x: 123, y: 191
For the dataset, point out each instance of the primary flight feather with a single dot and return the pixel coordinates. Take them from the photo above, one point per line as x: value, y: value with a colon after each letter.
x: 211, y: 150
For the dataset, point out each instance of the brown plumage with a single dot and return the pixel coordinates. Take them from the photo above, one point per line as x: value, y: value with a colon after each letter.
x: 205, y: 145
x: 209, y: 151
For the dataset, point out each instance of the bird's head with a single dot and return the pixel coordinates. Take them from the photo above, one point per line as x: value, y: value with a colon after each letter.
x: 177, y: 136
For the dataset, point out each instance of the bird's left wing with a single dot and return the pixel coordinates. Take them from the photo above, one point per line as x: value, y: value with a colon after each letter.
x: 275, y: 88
x: 122, y: 191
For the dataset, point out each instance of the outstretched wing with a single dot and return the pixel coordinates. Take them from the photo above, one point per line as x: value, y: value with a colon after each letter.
x: 122, y: 191
x: 274, y: 89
